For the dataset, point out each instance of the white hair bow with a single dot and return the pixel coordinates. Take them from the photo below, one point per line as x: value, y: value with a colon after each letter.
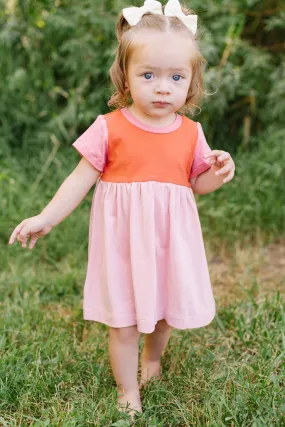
x: 134, y: 14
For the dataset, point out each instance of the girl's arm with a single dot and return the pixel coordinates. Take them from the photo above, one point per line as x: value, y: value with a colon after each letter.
x: 207, y: 181
x: 71, y: 192
x: 218, y: 166
x: 221, y: 171
x: 69, y: 195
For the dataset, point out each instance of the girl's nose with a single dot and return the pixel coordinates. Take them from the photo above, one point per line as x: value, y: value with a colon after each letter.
x: 162, y: 87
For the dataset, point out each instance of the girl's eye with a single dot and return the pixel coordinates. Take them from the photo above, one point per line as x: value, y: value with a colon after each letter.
x: 176, y: 75
x: 147, y: 74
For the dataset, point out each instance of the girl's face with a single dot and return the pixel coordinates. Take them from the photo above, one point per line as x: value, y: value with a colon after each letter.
x: 159, y: 70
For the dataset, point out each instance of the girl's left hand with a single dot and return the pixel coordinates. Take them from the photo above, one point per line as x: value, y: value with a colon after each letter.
x: 222, y: 160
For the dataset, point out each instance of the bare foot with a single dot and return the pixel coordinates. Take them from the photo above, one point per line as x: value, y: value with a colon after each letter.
x: 129, y: 401
x: 149, y: 369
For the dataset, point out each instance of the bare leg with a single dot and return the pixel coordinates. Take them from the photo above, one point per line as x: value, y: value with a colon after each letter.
x: 123, y: 352
x: 154, y: 345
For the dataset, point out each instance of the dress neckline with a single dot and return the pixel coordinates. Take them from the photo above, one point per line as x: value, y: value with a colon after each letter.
x: 164, y: 129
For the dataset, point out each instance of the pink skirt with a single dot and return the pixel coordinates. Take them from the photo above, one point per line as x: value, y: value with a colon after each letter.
x: 146, y: 258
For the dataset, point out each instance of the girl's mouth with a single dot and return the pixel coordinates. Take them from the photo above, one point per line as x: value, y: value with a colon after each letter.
x: 160, y: 104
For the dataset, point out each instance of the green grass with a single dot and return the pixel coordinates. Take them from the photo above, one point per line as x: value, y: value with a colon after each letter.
x: 55, y: 369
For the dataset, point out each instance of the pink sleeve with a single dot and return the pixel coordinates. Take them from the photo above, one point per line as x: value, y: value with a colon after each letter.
x: 93, y: 143
x: 199, y: 164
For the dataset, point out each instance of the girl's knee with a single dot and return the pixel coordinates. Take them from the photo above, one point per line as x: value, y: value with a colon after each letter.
x: 125, y: 335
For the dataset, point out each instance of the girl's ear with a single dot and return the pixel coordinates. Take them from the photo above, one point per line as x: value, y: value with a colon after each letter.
x: 126, y: 86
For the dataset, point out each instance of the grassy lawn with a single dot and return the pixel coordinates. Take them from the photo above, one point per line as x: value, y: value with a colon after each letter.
x: 55, y: 369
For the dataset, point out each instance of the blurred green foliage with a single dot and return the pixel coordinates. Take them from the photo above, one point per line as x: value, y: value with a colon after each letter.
x: 55, y: 57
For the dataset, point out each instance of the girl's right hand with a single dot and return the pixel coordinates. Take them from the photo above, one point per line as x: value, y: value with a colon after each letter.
x: 33, y: 227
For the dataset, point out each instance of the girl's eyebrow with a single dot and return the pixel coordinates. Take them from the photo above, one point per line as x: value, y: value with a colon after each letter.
x: 157, y: 68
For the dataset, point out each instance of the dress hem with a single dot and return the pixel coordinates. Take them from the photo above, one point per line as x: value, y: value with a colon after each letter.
x: 146, y: 326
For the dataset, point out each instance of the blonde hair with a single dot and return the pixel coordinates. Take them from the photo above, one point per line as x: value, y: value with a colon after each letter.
x: 125, y: 34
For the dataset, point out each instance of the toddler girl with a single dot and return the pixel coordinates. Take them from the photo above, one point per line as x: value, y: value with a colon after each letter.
x: 147, y: 269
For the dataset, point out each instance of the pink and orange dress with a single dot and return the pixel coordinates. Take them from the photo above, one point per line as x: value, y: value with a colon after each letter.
x: 146, y: 255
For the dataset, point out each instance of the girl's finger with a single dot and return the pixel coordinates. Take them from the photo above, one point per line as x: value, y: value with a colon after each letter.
x: 24, y: 242
x: 228, y: 178
x: 215, y: 153
x: 29, y: 235
x: 23, y: 236
x: 16, y: 232
x: 20, y: 238
x: 224, y: 156
x: 210, y: 157
x: 33, y: 241
x: 224, y: 170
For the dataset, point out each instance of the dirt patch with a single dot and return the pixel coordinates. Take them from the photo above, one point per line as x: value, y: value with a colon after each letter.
x: 260, y: 270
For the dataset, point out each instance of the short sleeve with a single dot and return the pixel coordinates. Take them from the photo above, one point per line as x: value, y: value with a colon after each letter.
x: 93, y: 143
x: 200, y: 164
